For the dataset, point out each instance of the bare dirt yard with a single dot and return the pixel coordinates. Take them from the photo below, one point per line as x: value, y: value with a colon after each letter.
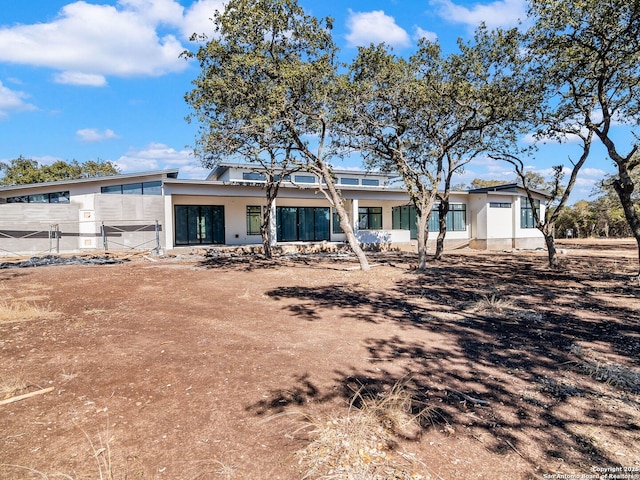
x: 193, y: 367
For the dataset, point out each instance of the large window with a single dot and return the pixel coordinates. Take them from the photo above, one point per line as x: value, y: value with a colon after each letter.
x: 139, y: 188
x: 254, y: 219
x: 370, y: 182
x: 405, y: 218
x: 527, y: 219
x: 199, y: 224
x: 370, y: 218
x: 457, y: 217
x: 55, y: 197
x: 302, y: 224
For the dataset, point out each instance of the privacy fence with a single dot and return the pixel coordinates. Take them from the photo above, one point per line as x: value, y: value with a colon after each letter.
x: 19, y: 238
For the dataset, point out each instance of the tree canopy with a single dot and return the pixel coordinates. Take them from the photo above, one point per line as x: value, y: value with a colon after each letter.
x: 591, y: 53
x: 267, y: 84
x: 21, y: 170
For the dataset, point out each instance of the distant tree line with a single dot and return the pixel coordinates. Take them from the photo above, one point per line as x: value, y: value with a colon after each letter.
x: 21, y: 171
x: 602, y: 217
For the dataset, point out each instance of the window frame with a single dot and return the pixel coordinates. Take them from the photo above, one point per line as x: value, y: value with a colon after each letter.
x: 367, y: 216
x: 44, y: 198
x: 253, y: 176
x: 304, y: 179
x: 349, y: 181
x: 252, y: 214
x: 527, y: 219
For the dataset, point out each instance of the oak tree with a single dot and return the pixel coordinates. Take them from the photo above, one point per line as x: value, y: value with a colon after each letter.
x: 266, y: 84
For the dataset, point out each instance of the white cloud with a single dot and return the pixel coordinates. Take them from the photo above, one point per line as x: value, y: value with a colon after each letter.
x: 13, y: 101
x: 155, y: 12
x: 485, y: 168
x: 92, y: 135
x: 197, y: 18
x: 99, y: 40
x: 375, y: 27
x: 420, y: 33
x: 158, y: 156
x: 77, y: 78
x: 499, y: 13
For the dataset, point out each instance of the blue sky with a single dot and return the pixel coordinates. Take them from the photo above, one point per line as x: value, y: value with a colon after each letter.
x: 102, y: 79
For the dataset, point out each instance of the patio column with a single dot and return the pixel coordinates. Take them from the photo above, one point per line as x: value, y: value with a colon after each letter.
x: 354, y: 215
x: 273, y: 227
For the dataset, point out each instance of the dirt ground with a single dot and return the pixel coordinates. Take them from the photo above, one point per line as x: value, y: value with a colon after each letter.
x: 186, y: 367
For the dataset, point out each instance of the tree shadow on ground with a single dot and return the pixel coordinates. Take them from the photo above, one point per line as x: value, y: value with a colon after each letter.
x: 510, y: 375
x: 326, y: 261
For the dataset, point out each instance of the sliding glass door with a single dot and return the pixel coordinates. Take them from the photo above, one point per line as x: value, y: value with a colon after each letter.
x: 306, y: 224
x: 199, y: 224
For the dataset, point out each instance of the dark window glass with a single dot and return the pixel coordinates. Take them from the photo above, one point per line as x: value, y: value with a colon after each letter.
x: 527, y: 219
x: 254, y: 219
x: 59, y: 197
x: 302, y: 223
x: 252, y: 176
x: 132, y: 189
x: 287, y: 221
x: 305, y: 179
x: 370, y: 182
x: 349, y: 181
x: 199, y: 224
x: 152, y: 188
x: 456, y: 218
x: 39, y: 198
x: 111, y: 189
x: 370, y: 218
x: 335, y: 220
x: 404, y: 218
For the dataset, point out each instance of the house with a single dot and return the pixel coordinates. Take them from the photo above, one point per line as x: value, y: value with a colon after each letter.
x: 157, y: 210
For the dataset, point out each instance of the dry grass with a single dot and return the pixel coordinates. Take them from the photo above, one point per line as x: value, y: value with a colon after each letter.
x: 99, y: 452
x: 492, y: 304
x: 32, y: 472
x: 363, y: 444
x: 607, y: 372
x: 22, y: 311
x: 11, y: 386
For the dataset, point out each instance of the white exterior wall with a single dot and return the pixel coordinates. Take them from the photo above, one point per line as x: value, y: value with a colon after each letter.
x: 527, y: 237
x: 501, y: 220
x: 478, y: 212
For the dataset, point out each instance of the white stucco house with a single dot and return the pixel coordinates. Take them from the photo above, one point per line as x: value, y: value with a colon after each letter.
x: 157, y: 210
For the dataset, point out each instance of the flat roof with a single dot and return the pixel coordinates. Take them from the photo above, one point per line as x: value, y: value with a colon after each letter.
x: 223, y: 167
x: 172, y: 173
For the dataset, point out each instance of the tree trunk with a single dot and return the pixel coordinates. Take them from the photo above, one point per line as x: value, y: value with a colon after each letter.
x: 551, y: 249
x: 265, y: 224
x: 624, y: 188
x: 422, y: 222
x: 265, y: 232
x: 443, y: 210
x: 345, y: 224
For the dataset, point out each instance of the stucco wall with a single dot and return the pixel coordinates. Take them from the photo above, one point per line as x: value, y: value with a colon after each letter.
x: 25, y: 227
